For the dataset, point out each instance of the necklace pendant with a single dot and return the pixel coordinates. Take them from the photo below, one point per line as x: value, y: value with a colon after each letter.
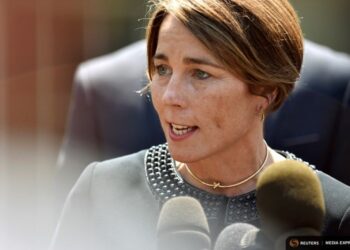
x: 216, y: 185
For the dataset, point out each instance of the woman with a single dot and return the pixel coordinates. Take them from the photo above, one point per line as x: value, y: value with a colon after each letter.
x: 216, y: 68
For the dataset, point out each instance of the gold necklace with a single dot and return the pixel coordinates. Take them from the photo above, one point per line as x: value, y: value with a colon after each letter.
x: 217, y: 184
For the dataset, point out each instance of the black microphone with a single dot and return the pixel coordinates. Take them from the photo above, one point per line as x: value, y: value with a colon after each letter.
x: 290, y: 201
x: 242, y: 236
x: 182, y: 224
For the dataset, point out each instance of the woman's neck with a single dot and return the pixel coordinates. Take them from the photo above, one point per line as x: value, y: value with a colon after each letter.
x: 229, y: 169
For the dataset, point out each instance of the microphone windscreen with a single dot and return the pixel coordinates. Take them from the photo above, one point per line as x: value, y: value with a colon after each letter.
x: 240, y: 236
x: 182, y: 224
x: 289, y: 196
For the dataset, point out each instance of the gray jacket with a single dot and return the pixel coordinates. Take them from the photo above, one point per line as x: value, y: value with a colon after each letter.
x: 112, y: 206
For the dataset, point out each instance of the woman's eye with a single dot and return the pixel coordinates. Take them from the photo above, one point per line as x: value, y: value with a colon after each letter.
x: 201, y: 75
x: 163, y: 70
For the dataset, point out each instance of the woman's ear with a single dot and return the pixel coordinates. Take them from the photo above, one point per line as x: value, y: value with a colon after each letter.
x: 271, y: 97
x: 266, y: 102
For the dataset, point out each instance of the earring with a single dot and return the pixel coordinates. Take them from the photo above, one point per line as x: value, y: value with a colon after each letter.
x: 261, y: 113
x: 262, y: 116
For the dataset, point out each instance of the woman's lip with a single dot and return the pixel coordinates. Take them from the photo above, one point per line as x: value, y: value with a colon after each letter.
x: 184, y: 134
x: 179, y: 124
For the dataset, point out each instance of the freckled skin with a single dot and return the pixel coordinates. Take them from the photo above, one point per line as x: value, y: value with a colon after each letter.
x: 220, y: 106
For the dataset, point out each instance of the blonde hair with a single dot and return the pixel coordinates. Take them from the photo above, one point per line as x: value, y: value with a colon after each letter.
x: 259, y: 41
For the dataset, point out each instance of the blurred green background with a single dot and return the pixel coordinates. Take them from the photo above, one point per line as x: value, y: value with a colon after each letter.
x: 323, y: 21
x: 326, y: 22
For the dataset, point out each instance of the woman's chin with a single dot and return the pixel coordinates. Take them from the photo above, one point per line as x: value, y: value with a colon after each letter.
x: 181, y: 154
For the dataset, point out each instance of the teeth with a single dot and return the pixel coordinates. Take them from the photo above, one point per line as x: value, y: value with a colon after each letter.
x: 179, y: 126
x: 180, y: 130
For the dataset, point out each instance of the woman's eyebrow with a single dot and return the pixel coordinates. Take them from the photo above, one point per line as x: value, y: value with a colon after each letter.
x: 190, y: 60
x: 160, y: 56
x: 202, y: 61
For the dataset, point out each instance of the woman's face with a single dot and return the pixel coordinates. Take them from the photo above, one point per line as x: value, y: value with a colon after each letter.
x: 204, y: 110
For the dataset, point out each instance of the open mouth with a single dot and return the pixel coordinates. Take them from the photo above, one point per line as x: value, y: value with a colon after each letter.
x: 182, y: 129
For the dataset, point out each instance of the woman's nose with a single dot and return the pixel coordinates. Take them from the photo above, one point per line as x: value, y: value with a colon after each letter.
x: 175, y: 92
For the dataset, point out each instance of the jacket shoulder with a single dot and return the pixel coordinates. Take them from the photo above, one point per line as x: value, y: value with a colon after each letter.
x: 337, y: 201
x: 130, y: 59
x: 128, y: 166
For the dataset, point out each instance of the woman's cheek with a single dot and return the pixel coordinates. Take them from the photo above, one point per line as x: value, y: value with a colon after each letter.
x: 156, y: 97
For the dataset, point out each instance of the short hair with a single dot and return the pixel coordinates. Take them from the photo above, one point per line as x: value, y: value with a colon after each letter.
x: 260, y: 41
